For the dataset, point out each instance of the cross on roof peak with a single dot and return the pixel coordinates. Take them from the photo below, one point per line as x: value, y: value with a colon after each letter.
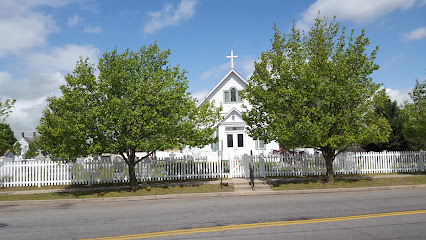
x: 232, y: 58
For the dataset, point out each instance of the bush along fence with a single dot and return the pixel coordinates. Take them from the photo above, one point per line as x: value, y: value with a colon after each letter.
x: 42, y: 173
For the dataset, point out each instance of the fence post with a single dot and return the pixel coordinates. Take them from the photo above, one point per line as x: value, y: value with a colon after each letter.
x: 39, y: 174
x: 246, y: 165
x: 262, y: 166
x: 422, y: 160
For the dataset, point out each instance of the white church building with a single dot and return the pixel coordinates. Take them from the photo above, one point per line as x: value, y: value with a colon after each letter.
x: 231, y: 131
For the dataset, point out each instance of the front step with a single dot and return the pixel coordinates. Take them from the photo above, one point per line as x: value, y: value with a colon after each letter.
x: 243, y: 185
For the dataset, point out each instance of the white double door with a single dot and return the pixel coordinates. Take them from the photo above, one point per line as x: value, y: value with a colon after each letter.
x: 234, y: 144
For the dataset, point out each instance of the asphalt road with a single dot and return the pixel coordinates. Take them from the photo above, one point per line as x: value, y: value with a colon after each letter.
x: 220, y: 217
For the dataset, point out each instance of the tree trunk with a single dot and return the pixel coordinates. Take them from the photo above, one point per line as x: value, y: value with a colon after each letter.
x: 328, y: 154
x: 132, y: 174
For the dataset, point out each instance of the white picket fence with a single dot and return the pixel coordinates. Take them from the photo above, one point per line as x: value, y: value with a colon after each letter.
x: 345, y: 163
x: 42, y: 173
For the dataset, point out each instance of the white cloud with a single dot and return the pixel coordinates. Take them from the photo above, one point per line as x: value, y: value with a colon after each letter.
x: 26, y: 115
x: 200, y: 94
x: 170, y: 16
x: 40, y: 67
x: 359, y: 11
x: 61, y: 58
x: 6, y: 85
x: 416, y: 34
x: 216, y: 72
x: 39, y: 85
x: 44, y: 74
x: 95, y: 29
x: 391, y: 62
x: 245, y: 66
x: 72, y: 21
x: 5, y: 79
x: 303, y: 26
x: 399, y: 95
x: 24, y: 33
x: 24, y: 28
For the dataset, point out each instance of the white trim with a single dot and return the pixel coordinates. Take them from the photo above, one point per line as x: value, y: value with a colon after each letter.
x: 233, y: 110
x: 221, y: 81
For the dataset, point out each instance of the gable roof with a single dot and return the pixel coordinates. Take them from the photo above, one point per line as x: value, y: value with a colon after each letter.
x: 8, y: 153
x: 28, y: 139
x: 221, y: 81
x: 233, y: 111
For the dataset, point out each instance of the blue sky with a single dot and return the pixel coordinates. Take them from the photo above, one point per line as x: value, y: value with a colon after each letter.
x: 42, y: 39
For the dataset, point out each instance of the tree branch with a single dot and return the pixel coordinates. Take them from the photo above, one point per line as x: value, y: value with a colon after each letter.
x: 149, y: 154
x: 125, y: 159
x: 339, y: 151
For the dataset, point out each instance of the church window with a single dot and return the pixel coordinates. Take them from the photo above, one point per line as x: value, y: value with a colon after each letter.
x: 230, y: 140
x: 260, y: 145
x: 226, y: 96
x: 232, y: 95
x: 240, y: 140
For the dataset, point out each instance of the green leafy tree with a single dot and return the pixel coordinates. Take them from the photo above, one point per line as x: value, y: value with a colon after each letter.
x: 392, y: 112
x: 32, y: 151
x: 4, y: 145
x: 5, y: 108
x: 8, y: 136
x: 138, y: 102
x: 16, y: 149
x: 415, y: 117
x: 7, y: 139
x: 314, y: 90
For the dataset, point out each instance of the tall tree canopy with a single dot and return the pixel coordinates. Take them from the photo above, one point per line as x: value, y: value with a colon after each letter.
x: 138, y: 102
x: 16, y: 149
x: 415, y: 117
x: 32, y: 150
x: 315, y: 90
x: 397, y: 142
x: 5, y: 108
x: 7, y: 139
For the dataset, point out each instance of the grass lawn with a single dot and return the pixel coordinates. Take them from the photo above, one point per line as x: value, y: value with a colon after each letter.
x: 193, y: 186
x: 120, y: 184
x: 123, y: 192
x: 303, y: 184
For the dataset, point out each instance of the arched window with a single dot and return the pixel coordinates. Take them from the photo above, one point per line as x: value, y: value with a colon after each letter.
x: 232, y: 95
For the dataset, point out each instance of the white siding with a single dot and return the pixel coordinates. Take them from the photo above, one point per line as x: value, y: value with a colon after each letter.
x: 231, y: 81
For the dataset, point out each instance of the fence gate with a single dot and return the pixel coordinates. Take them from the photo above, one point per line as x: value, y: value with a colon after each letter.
x: 239, y: 166
x: 258, y: 164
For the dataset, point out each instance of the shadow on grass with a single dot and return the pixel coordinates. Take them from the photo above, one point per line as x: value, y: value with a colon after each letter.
x: 412, y: 173
x: 309, y: 181
x: 122, y: 190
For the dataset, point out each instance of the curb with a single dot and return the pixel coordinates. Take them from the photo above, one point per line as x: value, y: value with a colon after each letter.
x: 203, y: 195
